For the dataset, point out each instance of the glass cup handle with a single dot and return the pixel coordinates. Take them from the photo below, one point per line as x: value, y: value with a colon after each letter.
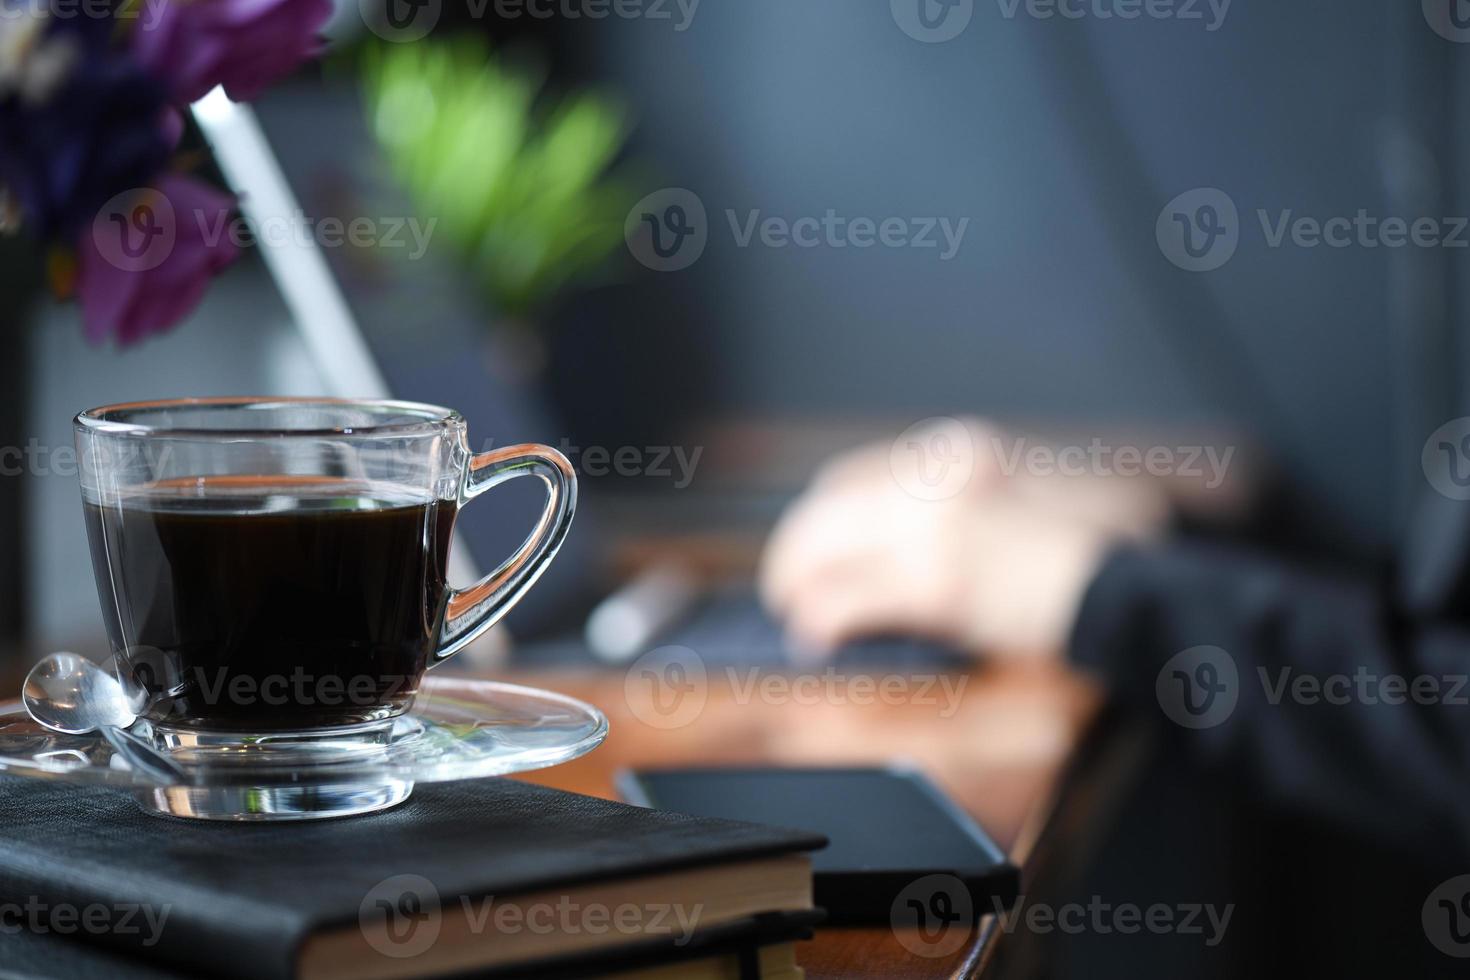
x: 474, y: 610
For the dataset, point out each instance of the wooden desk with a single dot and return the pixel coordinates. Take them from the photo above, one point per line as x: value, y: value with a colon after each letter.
x: 997, y: 748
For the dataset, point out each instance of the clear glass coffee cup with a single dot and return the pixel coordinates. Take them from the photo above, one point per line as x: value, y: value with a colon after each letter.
x: 278, y: 567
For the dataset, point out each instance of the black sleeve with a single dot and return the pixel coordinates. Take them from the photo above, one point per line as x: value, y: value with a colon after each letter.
x: 1383, y: 744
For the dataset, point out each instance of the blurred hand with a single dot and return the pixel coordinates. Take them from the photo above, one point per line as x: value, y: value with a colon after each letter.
x: 1000, y: 566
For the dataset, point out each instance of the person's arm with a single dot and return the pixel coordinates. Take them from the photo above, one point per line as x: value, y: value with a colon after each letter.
x: 1342, y: 708
x: 1008, y: 568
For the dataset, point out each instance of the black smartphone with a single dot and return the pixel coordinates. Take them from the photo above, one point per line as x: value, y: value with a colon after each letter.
x: 891, y: 831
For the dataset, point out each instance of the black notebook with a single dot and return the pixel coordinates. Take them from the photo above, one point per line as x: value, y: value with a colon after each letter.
x: 463, y: 877
x: 759, y: 947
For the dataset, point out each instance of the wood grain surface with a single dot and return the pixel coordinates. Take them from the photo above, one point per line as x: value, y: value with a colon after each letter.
x: 997, y: 748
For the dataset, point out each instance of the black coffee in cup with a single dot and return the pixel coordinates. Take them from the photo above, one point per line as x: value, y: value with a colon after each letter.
x: 268, y: 603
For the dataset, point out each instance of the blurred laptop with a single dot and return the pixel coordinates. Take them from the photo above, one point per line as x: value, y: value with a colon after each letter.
x: 402, y: 322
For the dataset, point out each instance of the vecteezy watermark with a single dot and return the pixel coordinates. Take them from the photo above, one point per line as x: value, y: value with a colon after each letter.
x: 668, y: 688
x: 1210, y: 13
x: 932, y: 21
x: 1450, y: 19
x: 833, y: 230
x: 146, y: 12
x: 194, y: 687
x: 936, y: 21
x: 1200, y: 230
x: 1101, y: 917
x: 402, y: 916
x: 1446, y: 917
x: 400, y: 20
x: 563, y: 916
x: 138, y: 15
x: 1446, y: 459
x: 669, y: 230
x: 1198, y: 687
x: 1362, y: 230
x: 410, y: 20
x: 138, y: 229
x: 36, y: 458
x: 297, y: 228
x: 34, y: 915
x: 675, y: 463
x: 934, y: 458
x: 832, y: 686
x: 1100, y: 458
x: 1363, y: 686
x: 933, y: 916
x: 399, y: 916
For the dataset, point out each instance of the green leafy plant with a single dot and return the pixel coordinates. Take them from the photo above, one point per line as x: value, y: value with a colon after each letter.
x: 522, y: 184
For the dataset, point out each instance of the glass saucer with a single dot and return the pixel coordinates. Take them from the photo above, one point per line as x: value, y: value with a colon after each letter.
x: 458, y: 729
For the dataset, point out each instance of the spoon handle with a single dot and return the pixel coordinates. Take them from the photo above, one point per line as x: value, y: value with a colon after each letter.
x: 143, y: 757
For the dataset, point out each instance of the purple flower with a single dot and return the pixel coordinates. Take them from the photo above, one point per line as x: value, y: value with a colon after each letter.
x: 244, y: 45
x: 78, y: 120
x: 148, y: 256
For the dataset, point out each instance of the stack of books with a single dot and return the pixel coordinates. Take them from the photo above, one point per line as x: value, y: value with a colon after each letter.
x: 494, y: 878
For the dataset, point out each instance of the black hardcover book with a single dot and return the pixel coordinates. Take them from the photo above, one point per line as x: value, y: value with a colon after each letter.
x: 463, y: 877
x: 26, y: 955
